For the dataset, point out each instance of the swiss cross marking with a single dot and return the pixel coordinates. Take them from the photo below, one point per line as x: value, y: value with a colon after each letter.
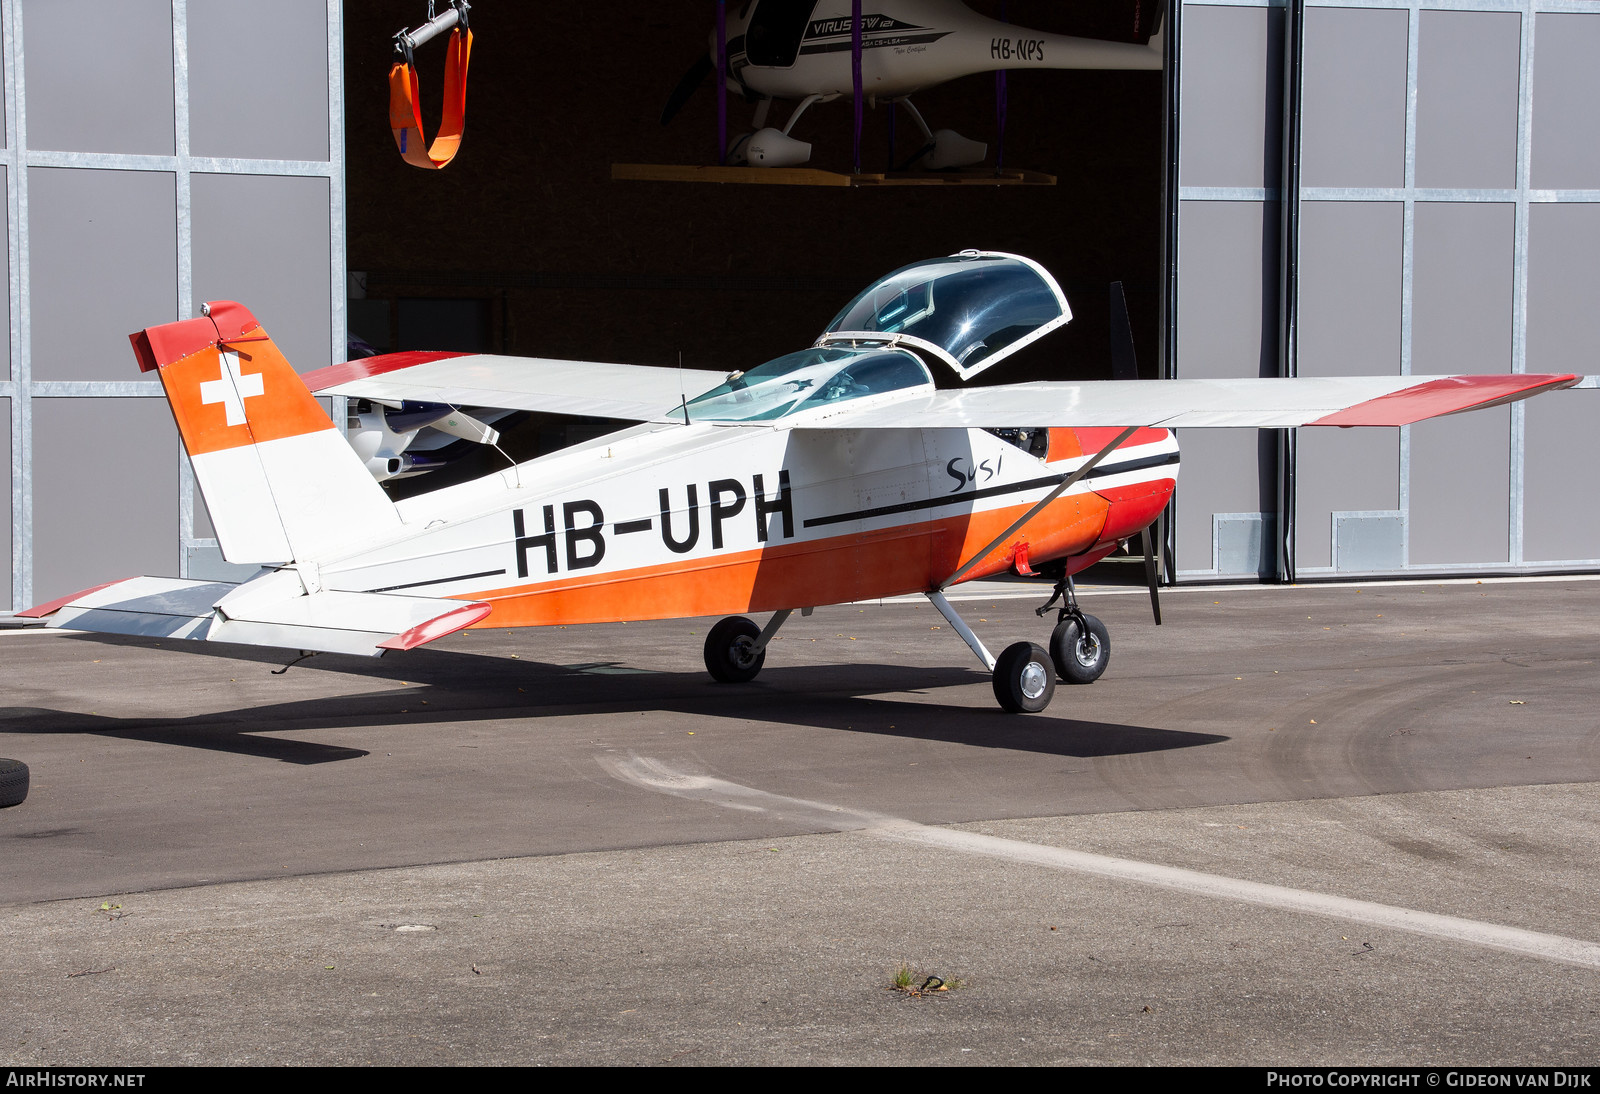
x: 231, y: 389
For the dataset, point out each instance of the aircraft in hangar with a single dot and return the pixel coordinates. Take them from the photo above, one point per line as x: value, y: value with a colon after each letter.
x: 832, y: 474
x: 805, y: 50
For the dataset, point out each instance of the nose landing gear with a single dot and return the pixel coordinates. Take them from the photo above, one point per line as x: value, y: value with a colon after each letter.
x: 1080, y: 645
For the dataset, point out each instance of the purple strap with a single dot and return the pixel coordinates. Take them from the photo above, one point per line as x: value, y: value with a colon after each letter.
x: 855, y: 71
x: 722, y: 82
x: 1000, y: 107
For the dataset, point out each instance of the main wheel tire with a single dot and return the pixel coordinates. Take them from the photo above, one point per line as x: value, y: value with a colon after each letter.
x: 1080, y: 658
x: 731, y: 655
x: 1023, y: 682
x: 13, y: 782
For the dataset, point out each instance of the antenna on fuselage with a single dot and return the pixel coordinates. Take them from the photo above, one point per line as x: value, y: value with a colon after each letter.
x: 683, y: 395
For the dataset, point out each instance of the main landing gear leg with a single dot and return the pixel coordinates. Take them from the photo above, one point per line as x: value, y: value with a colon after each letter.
x: 736, y: 648
x: 1023, y: 682
x: 1080, y: 645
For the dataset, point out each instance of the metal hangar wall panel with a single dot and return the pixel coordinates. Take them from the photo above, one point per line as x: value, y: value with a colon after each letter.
x: 1420, y: 181
x: 157, y: 153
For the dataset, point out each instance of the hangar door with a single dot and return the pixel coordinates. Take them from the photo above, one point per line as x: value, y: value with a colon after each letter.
x: 157, y: 153
x: 1389, y: 187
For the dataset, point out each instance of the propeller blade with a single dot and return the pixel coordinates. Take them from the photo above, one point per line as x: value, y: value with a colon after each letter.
x: 1123, y: 365
x: 687, y: 86
x: 1150, y: 572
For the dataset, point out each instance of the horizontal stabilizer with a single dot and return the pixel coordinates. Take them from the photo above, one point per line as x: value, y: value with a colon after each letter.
x: 272, y: 610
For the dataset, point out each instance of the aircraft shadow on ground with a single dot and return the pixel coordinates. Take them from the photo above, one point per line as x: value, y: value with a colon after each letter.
x: 457, y: 687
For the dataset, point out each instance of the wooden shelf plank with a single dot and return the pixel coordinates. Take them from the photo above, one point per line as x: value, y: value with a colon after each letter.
x: 811, y: 176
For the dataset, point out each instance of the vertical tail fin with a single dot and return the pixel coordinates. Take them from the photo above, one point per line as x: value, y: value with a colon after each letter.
x: 278, y: 478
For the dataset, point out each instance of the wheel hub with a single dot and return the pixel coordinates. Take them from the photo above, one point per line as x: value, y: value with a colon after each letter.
x: 1034, y: 679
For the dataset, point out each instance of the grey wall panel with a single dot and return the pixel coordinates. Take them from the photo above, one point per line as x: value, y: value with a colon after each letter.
x: 1467, y: 70
x: 1563, y: 287
x: 105, y: 495
x: 1462, y: 288
x: 1227, y: 321
x: 1561, y: 499
x: 1353, y: 119
x: 103, y: 262
x: 263, y: 241
x: 1341, y: 470
x: 5, y: 510
x: 1227, y: 326
x: 1566, y: 86
x: 1371, y: 542
x: 1232, y: 79
x: 1219, y: 476
x: 203, y: 528
x: 281, y: 112
x: 99, y: 75
x: 5, y: 298
x: 1350, y: 281
x: 1460, y: 488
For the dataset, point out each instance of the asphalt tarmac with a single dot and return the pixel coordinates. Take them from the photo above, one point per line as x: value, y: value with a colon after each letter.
x: 1315, y: 825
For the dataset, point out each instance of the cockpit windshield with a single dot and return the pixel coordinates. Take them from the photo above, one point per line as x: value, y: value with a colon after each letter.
x: 805, y: 380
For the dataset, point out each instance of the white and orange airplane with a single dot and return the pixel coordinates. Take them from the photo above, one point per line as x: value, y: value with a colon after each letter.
x: 813, y: 51
x: 834, y: 474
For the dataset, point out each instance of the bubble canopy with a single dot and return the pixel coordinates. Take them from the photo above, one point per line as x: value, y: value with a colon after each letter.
x: 970, y: 310
x: 808, y: 380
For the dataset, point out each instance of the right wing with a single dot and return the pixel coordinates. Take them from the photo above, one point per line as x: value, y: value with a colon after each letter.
x: 641, y: 393
x: 1264, y: 403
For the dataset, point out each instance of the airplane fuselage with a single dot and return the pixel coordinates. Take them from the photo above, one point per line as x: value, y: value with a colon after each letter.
x: 661, y: 521
x: 906, y: 45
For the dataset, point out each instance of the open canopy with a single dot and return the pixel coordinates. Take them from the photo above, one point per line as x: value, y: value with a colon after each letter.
x: 971, y: 310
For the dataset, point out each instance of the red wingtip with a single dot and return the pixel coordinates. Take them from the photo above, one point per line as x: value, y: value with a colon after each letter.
x: 437, y: 627
x: 365, y: 367
x: 39, y: 611
x: 1447, y: 395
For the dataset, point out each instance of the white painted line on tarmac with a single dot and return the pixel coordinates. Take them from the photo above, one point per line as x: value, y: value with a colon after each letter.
x: 654, y: 775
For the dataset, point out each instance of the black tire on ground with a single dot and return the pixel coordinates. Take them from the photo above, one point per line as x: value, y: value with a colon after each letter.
x: 1080, y: 659
x: 1023, y: 682
x: 13, y: 782
x: 731, y: 657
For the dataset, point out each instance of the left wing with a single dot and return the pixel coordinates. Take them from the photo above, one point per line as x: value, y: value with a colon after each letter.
x: 641, y: 393
x: 1266, y: 403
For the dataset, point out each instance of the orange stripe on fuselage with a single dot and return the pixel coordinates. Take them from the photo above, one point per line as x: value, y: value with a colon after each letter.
x: 907, y: 558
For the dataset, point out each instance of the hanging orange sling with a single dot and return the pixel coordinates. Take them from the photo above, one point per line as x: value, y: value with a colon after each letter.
x: 405, y: 111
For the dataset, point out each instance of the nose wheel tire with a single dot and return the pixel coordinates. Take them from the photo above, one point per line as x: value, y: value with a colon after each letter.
x: 1080, y: 655
x: 731, y: 654
x: 1023, y: 680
